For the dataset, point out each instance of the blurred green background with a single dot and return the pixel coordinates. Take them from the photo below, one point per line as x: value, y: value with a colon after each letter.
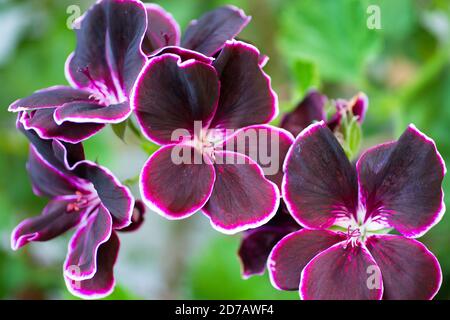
x: 404, y: 67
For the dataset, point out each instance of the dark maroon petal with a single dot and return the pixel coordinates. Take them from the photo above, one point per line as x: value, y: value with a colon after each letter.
x: 103, y: 282
x: 84, y: 112
x: 410, y: 271
x: 47, y: 180
x: 320, y: 184
x: 43, y: 123
x: 266, y: 145
x: 109, y: 41
x: 84, y: 245
x: 236, y: 204
x: 283, y: 219
x: 184, y: 54
x: 356, y: 107
x: 137, y: 218
x: 127, y: 24
x: 174, y: 189
x: 401, y: 183
x: 246, y: 95
x: 116, y: 198
x: 162, y: 30
x: 294, y: 252
x: 91, y: 50
x: 341, y: 273
x: 58, y: 154
x: 359, y: 106
x: 50, y: 98
x: 171, y: 95
x: 255, y: 249
x: 54, y: 221
x: 257, y: 244
x: 68, y: 154
x: 309, y: 110
x: 209, y: 33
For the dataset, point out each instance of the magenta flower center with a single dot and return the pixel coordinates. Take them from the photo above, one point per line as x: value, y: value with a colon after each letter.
x: 358, y: 229
x: 103, y: 94
x: 81, y: 201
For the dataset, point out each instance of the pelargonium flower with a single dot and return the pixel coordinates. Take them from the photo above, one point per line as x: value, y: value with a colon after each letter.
x: 397, y: 186
x: 173, y: 95
x: 206, y: 35
x: 83, y: 196
x: 101, y: 71
x: 313, y: 108
x: 257, y: 244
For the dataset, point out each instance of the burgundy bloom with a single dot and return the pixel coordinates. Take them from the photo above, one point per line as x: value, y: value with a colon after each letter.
x: 83, y: 196
x: 312, y: 109
x: 357, y: 107
x: 397, y: 185
x: 101, y: 71
x: 231, y: 92
x: 206, y: 35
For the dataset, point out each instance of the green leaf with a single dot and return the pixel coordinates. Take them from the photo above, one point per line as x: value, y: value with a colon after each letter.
x: 120, y: 129
x: 306, y: 75
x: 332, y: 34
x: 149, y: 147
x: 352, y: 136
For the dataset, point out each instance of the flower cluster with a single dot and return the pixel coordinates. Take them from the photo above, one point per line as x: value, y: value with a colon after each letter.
x: 115, y: 41
x: 319, y: 222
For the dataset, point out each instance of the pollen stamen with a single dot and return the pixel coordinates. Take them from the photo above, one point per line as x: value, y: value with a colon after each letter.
x: 80, y: 202
x: 353, y: 237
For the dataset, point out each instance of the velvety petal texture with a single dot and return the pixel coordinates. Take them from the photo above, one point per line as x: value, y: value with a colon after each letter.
x: 410, y: 271
x: 174, y: 188
x: 401, y: 183
x: 266, y: 145
x: 81, y: 261
x: 257, y: 244
x: 42, y: 121
x: 47, y: 180
x: 57, y: 154
x: 320, y: 184
x: 310, y: 109
x: 209, y: 33
x: 341, y: 273
x: 86, y: 112
x: 49, y: 98
x: 235, y: 204
x: 184, y: 54
x: 116, y: 198
x: 255, y: 249
x: 162, y: 30
x: 109, y: 41
x: 102, y: 283
x: 246, y: 96
x: 171, y: 95
x: 290, y: 256
x: 54, y: 221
